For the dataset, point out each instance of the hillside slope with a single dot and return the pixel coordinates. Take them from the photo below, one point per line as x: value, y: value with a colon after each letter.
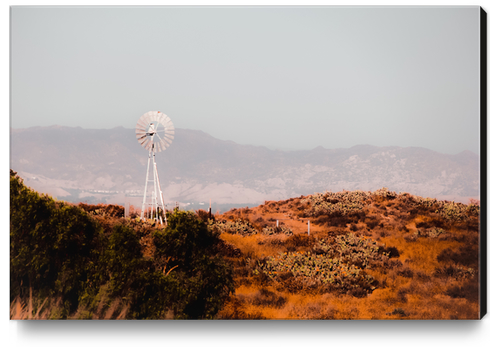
x: 378, y: 255
x: 346, y: 255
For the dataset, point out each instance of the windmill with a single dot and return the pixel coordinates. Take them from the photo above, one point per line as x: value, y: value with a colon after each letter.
x: 155, y: 132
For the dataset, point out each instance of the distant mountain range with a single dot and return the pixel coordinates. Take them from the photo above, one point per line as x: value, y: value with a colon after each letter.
x: 107, y: 165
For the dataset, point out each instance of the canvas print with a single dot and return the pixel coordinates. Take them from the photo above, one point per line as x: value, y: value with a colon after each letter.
x: 246, y: 163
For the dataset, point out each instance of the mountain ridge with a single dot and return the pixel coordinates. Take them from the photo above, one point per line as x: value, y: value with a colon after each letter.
x: 199, y: 167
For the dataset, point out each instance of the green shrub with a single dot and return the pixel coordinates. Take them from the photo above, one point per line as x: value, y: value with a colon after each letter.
x: 55, y: 248
x: 277, y: 230
x: 239, y: 226
x: 205, y: 280
x: 336, y: 266
x: 334, y: 204
x: 316, y: 269
x: 59, y: 251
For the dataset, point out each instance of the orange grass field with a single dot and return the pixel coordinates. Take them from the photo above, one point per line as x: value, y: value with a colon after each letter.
x: 424, y: 277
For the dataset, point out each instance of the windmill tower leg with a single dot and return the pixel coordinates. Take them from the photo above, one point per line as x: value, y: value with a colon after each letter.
x: 146, y: 186
x: 154, y: 192
x: 159, y: 195
x: 156, y: 200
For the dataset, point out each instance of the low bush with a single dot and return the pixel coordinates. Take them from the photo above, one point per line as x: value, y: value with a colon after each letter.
x: 266, y: 297
x: 466, y: 255
x: 457, y: 272
x: 277, y: 230
x: 295, y: 242
x: 468, y: 290
x: 405, y: 271
x: 238, y: 226
x: 312, y: 270
x: 372, y: 222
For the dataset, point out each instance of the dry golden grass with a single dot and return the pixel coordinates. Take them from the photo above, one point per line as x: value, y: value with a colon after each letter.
x: 50, y: 308
x: 409, y: 290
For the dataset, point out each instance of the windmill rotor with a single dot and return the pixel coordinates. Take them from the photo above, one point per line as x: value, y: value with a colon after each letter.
x: 155, y: 131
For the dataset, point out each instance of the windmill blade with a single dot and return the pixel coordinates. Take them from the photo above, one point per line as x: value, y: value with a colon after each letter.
x: 167, y: 123
x: 146, y: 118
x: 141, y: 123
x: 147, y: 122
x: 145, y: 142
x: 163, y: 144
x: 162, y: 141
x: 162, y: 117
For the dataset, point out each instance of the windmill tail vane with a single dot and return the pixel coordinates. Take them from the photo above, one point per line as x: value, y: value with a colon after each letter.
x: 155, y: 132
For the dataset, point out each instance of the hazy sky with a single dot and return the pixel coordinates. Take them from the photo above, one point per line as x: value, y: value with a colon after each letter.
x: 289, y: 78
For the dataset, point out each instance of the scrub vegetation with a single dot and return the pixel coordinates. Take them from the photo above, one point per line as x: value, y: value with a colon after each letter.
x: 369, y: 255
x: 363, y: 255
x: 80, y: 262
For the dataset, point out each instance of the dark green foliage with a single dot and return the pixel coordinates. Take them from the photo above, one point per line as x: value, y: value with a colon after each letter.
x: 188, y: 246
x: 186, y: 240
x: 54, y: 247
x: 60, y: 251
x: 204, y: 215
x: 152, y: 294
x: 124, y: 259
x: 103, y: 209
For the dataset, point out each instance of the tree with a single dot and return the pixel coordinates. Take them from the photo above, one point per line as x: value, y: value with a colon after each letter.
x: 187, y: 246
x: 54, y: 247
x: 60, y: 251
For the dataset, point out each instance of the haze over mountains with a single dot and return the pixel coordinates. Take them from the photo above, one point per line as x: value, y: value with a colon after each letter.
x: 105, y: 165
